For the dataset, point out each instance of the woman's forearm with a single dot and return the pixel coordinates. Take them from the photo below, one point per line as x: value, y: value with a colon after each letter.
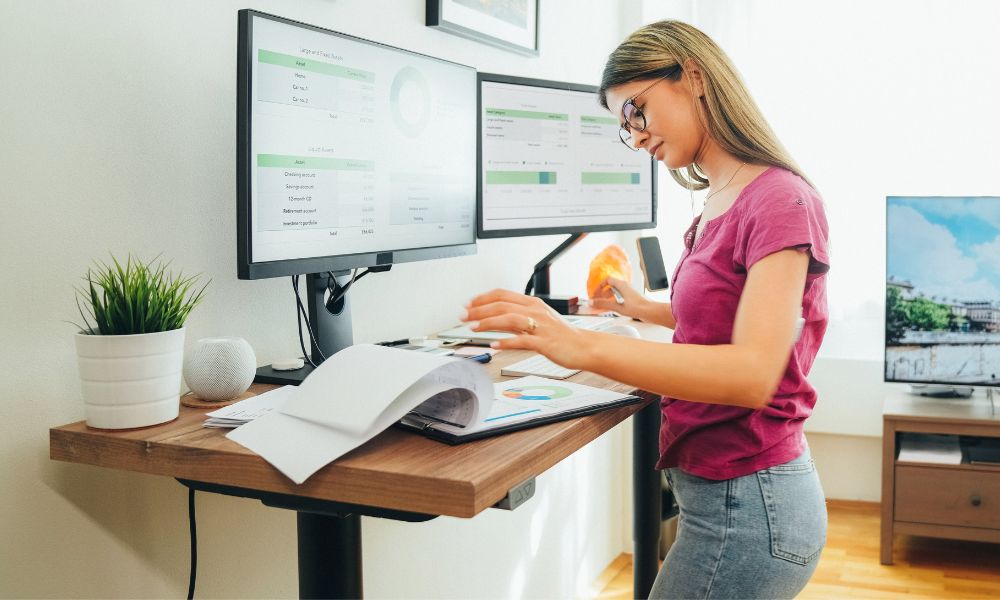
x: 721, y: 374
x: 658, y: 313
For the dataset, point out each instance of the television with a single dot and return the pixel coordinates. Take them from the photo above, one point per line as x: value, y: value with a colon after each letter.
x: 550, y: 162
x: 942, y: 309
x: 350, y: 154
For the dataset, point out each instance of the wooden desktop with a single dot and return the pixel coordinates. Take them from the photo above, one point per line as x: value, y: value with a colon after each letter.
x: 398, y: 475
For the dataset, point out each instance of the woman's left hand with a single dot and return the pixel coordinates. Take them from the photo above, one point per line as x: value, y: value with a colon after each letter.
x: 538, y: 327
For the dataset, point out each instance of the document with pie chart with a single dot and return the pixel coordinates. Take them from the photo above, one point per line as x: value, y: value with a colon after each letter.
x: 527, y: 402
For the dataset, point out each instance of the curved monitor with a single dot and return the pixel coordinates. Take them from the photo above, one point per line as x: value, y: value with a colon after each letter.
x: 551, y: 161
x: 350, y: 153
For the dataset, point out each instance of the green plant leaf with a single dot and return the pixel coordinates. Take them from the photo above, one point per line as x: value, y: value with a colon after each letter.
x: 136, y: 297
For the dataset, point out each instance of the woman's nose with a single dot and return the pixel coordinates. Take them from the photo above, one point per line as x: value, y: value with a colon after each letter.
x: 639, y: 139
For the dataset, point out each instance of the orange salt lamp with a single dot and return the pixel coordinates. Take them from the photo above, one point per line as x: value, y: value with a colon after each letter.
x: 610, y: 262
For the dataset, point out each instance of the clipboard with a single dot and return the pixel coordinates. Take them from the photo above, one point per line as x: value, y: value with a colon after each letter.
x: 429, y: 430
x: 520, y: 404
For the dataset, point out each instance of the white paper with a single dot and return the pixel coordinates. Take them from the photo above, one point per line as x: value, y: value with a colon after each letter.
x: 930, y: 448
x: 353, y: 391
x: 244, y: 411
x: 296, y: 447
x: 355, y: 395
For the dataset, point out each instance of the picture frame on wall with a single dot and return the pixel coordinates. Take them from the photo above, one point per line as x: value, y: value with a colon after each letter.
x: 508, y: 24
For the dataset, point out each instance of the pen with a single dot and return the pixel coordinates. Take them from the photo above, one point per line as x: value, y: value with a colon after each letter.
x: 481, y: 358
x: 618, y: 295
x: 395, y: 342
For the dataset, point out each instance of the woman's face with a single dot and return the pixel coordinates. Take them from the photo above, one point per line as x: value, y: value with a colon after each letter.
x: 674, y: 133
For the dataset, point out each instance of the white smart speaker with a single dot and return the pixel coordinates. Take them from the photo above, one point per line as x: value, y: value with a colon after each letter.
x: 220, y: 369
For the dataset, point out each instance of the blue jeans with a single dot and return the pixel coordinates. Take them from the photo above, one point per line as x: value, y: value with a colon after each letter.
x: 756, y: 536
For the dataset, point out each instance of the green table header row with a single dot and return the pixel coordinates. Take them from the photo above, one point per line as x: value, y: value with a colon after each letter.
x: 316, y: 66
x: 314, y: 162
x: 526, y: 114
x: 600, y: 120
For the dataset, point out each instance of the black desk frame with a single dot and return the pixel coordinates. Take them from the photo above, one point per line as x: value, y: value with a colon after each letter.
x: 329, y: 533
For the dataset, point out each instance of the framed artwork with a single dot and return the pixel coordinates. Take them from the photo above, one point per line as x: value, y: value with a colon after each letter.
x: 508, y: 24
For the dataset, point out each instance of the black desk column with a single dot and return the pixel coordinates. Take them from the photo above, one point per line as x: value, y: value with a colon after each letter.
x: 647, y: 497
x: 329, y: 556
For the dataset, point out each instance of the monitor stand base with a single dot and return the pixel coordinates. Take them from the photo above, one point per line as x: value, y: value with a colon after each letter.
x: 942, y: 391
x: 266, y: 374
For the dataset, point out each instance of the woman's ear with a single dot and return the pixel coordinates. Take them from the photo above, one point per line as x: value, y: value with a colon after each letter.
x: 695, y: 79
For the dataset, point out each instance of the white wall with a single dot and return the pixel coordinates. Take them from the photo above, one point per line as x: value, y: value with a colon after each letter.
x: 894, y: 97
x: 117, y: 134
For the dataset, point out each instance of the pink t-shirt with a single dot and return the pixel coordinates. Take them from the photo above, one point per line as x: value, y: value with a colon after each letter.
x: 775, y: 211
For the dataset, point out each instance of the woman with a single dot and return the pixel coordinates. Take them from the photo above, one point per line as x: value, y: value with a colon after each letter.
x: 735, y: 395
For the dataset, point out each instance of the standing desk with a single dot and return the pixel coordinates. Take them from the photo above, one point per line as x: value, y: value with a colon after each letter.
x: 398, y: 475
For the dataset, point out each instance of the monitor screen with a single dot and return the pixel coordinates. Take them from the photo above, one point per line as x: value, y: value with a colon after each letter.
x: 350, y: 153
x: 551, y: 161
x: 942, y: 297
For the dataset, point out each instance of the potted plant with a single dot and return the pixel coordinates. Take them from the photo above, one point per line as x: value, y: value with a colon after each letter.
x: 130, y: 348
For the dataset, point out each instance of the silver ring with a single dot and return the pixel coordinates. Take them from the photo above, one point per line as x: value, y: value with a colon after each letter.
x: 532, y: 325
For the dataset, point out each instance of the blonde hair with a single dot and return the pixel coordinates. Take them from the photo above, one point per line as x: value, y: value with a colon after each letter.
x: 730, y: 115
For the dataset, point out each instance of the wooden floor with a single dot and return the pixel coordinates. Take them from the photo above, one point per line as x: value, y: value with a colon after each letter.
x: 849, y: 566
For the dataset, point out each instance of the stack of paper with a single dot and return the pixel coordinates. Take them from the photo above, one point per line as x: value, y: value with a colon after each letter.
x: 356, y: 394
x: 930, y: 448
x: 247, y: 410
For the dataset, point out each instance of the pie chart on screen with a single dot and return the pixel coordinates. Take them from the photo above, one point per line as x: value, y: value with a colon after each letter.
x: 537, y: 392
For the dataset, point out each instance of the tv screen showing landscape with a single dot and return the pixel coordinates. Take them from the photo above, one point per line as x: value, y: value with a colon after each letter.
x: 942, y: 298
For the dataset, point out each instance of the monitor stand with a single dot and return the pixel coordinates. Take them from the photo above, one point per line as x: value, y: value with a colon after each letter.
x: 942, y: 391
x: 538, y: 285
x: 331, y: 325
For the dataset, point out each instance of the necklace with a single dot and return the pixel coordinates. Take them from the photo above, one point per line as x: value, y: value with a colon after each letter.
x: 709, y: 197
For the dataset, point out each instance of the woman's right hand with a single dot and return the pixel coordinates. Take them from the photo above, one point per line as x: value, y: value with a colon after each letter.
x: 605, y: 298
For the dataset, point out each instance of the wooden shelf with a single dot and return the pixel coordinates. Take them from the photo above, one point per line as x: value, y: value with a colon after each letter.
x: 956, y: 501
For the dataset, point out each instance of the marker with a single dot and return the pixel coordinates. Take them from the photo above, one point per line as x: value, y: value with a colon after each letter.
x: 481, y: 358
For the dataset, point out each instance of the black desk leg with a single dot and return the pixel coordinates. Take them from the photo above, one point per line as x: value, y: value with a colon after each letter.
x: 646, y: 498
x: 329, y: 556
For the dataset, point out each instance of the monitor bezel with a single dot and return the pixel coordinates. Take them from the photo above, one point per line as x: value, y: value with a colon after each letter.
x: 505, y: 233
x: 885, y: 312
x: 246, y: 268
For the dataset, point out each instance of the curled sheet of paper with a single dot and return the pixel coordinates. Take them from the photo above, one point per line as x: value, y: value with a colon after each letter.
x: 358, y: 393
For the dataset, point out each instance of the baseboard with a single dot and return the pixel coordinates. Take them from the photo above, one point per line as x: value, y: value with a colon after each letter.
x: 853, y: 504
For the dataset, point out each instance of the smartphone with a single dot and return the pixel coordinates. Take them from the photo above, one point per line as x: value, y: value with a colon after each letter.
x: 651, y: 263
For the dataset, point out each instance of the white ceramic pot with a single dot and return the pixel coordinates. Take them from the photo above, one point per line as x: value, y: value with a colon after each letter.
x: 130, y: 380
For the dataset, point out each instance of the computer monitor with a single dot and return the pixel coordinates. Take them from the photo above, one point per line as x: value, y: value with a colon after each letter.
x: 942, y: 303
x: 551, y: 161
x: 350, y: 154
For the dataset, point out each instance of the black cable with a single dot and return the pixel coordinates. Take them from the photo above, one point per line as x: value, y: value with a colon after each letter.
x: 192, y: 526
x: 336, y: 295
x: 300, y: 314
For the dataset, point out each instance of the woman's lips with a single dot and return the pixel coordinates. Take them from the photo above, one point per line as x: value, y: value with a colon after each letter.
x: 654, y: 150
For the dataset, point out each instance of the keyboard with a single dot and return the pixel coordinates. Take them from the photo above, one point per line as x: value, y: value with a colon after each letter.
x: 540, y: 366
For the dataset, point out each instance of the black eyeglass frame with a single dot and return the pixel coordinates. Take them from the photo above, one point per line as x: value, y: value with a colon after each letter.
x: 625, y: 130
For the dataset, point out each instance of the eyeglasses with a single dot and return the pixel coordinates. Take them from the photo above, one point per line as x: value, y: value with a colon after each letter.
x: 634, y: 117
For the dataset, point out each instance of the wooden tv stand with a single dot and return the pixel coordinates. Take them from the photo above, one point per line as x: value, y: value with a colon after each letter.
x: 936, y: 500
